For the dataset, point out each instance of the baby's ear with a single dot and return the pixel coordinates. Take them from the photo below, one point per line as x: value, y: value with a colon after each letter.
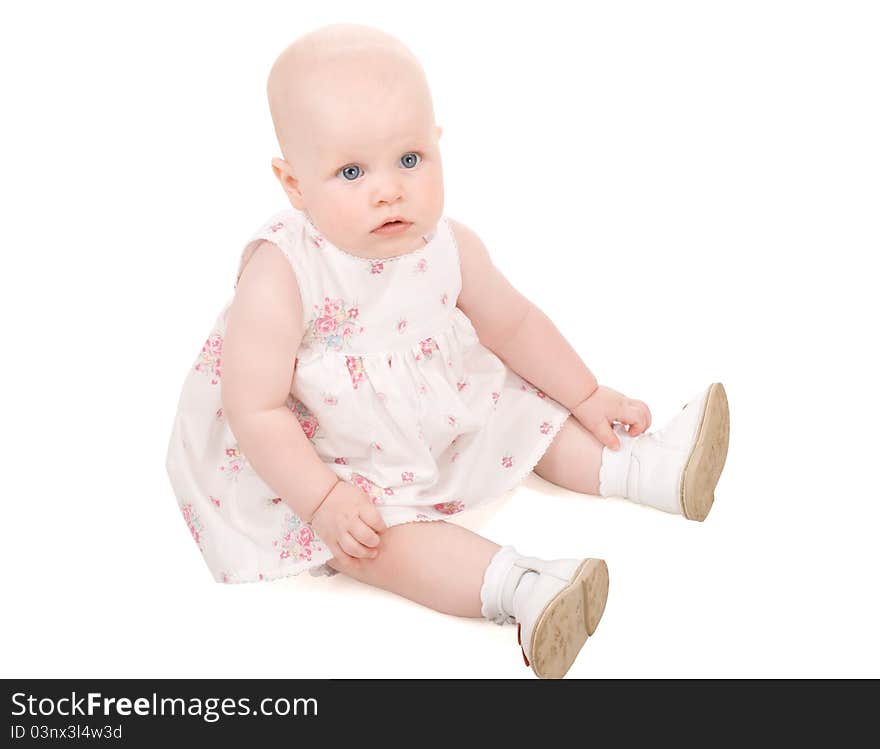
x: 282, y: 171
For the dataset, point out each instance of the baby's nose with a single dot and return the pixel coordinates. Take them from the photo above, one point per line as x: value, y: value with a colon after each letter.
x: 389, y: 190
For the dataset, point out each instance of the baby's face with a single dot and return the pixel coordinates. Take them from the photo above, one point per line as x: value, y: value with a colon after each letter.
x: 366, y: 151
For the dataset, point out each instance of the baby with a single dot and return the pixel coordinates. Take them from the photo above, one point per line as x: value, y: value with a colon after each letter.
x: 379, y: 374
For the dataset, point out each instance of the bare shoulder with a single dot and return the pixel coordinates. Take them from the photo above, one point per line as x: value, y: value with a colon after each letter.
x: 264, y: 329
x: 491, y: 303
x: 266, y: 270
x: 476, y: 264
x: 472, y: 252
x: 267, y: 292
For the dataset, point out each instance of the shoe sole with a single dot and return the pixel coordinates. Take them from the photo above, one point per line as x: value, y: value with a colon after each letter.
x: 569, y: 619
x: 706, y: 461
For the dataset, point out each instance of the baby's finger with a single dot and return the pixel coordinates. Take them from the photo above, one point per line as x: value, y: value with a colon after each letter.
x: 354, y: 548
x: 371, y: 516
x: 363, y: 533
x: 635, y: 417
x: 342, y: 557
x: 633, y: 430
x: 605, y: 434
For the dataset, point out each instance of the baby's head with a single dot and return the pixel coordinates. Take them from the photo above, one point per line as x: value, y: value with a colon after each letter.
x: 355, y: 122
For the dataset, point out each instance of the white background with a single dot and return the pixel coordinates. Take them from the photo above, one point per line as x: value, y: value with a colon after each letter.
x: 689, y: 190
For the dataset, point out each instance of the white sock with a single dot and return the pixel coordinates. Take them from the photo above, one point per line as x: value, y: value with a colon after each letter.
x: 614, y: 471
x: 505, y: 586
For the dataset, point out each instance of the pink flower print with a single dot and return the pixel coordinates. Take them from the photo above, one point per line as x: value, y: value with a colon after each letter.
x: 443, y: 299
x: 191, y: 518
x: 229, y: 577
x: 372, y: 490
x: 355, y: 365
x: 274, y: 501
x: 276, y: 227
x: 305, y: 535
x: 209, y: 358
x: 376, y: 266
x: 214, y: 501
x: 529, y: 388
x: 460, y: 385
x: 454, y: 441
x: 406, y: 477
x: 546, y: 427
x: 317, y: 240
x: 422, y: 516
x: 307, y: 420
x: 341, y: 461
x: 495, y: 397
x: 449, y: 508
x: 401, y: 326
x: 219, y: 413
x: 422, y: 389
x: 361, y: 482
x: 260, y: 576
x: 325, y: 325
x: 331, y: 400
x: 451, y: 420
x: 235, y: 463
x: 334, y: 324
x: 332, y: 307
x: 377, y: 446
x: 428, y: 347
x: 389, y: 491
x: 507, y: 461
x: 298, y: 540
x: 421, y: 266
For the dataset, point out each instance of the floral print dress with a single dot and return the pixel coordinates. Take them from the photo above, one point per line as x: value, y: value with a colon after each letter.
x: 391, y: 386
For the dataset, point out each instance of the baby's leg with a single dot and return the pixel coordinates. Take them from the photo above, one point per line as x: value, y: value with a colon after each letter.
x: 674, y: 469
x: 556, y: 604
x: 573, y: 459
x: 434, y: 563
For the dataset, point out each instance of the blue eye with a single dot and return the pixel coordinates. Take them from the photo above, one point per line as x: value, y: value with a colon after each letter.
x: 346, y: 171
x: 407, y: 159
x: 351, y: 172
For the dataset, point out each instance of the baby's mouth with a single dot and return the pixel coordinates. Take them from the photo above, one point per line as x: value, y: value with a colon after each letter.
x: 396, y: 223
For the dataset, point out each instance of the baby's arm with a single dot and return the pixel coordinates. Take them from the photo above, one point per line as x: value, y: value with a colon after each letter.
x: 517, y: 331
x: 263, y: 333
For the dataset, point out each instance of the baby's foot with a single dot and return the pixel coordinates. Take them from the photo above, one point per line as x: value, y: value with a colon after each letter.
x: 676, y: 468
x: 561, y: 609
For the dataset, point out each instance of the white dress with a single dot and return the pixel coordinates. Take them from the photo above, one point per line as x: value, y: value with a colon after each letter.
x: 391, y: 386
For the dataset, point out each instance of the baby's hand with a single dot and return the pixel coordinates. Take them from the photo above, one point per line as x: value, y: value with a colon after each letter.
x: 349, y: 523
x: 605, y: 406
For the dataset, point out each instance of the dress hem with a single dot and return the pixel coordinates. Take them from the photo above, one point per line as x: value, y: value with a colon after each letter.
x: 551, y: 435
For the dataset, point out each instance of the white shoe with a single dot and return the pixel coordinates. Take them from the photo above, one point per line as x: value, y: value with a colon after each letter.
x: 561, y: 610
x: 676, y: 468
